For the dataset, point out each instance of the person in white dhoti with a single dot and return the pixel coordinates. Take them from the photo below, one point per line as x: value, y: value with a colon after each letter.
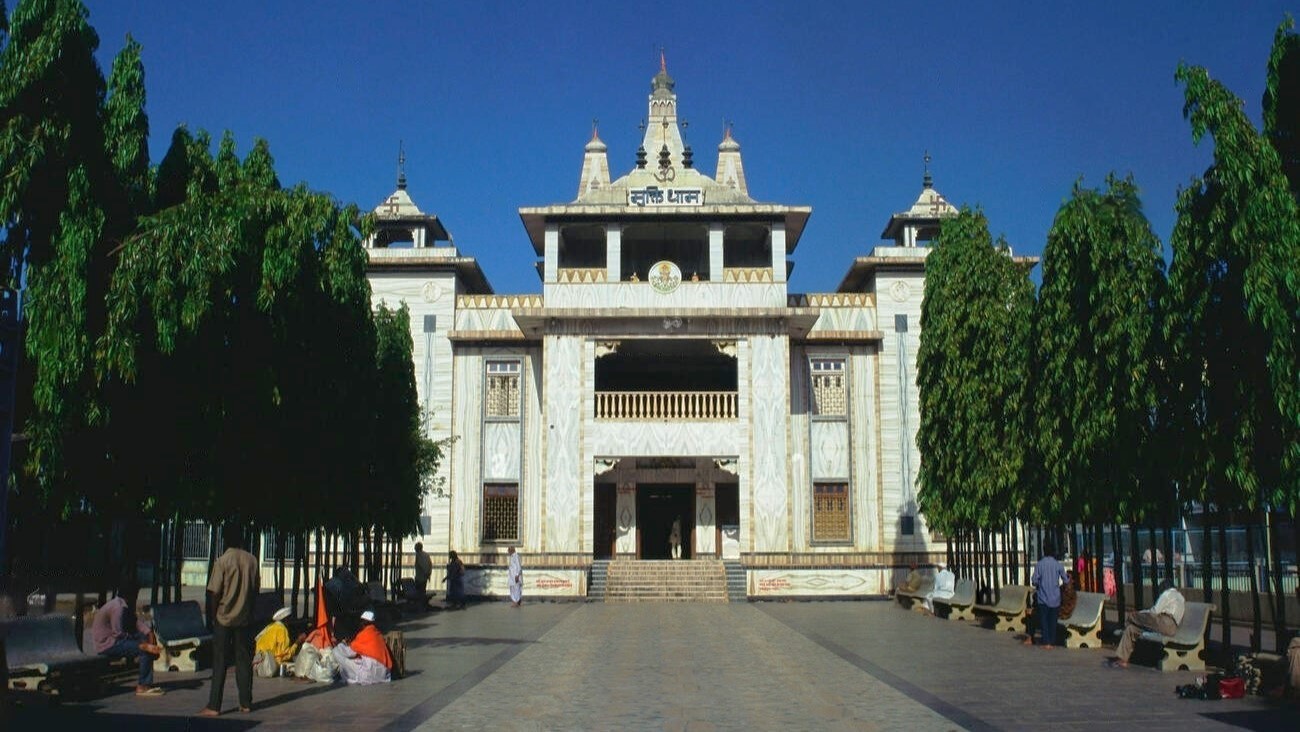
x: 675, y: 538
x: 515, y: 576
x: 945, y: 585
x: 364, y: 659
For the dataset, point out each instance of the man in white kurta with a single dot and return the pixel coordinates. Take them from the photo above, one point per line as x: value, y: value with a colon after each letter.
x: 945, y: 585
x: 515, y: 576
x: 366, y: 659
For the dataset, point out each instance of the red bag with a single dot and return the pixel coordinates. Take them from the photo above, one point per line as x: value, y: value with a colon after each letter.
x: 1232, y: 687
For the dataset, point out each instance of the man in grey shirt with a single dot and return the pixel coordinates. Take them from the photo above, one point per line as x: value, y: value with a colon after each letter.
x: 231, y: 593
x: 1163, y: 617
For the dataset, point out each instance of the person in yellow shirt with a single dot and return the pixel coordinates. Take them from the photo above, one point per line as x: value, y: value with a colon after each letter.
x: 273, y: 648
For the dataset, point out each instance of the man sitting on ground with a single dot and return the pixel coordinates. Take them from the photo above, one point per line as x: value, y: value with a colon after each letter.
x: 117, y: 633
x: 1163, y: 617
x: 365, y: 659
x: 272, y: 647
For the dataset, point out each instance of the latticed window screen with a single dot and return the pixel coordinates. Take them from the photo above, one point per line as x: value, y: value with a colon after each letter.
x: 831, y: 512
x: 829, y: 387
x: 500, y: 512
x: 502, y: 398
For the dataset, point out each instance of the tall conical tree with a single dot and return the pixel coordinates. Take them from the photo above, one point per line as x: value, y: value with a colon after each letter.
x: 1096, y: 346
x: 971, y: 371
x: 1282, y: 101
x: 1234, y: 301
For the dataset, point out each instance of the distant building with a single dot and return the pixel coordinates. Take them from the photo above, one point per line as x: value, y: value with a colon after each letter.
x: 664, y: 374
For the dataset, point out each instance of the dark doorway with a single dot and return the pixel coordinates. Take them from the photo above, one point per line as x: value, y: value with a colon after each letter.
x: 727, y: 505
x: 605, y: 522
x: 657, y: 505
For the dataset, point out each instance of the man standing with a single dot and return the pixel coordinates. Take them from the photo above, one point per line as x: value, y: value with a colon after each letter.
x: 1163, y: 617
x: 1046, y: 579
x: 231, y: 593
x: 423, y: 570
x: 515, y: 575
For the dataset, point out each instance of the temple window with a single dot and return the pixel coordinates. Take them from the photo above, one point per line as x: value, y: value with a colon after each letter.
x: 500, y: 512
x: 501, y: 399
x: 829, y: 387
x: 831, y: 512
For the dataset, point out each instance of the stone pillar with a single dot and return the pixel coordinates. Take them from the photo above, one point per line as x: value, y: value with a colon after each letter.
x: 716, y: 232
x: 552, y: 253
x: 778, y: 252
x: 613, y: 252
x: 706, y: 520
x: 625, y: 512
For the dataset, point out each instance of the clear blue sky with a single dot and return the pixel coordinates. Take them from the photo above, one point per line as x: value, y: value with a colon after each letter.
x: 833, y: 103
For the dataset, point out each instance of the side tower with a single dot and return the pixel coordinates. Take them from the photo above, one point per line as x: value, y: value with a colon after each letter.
x: 412, y: 260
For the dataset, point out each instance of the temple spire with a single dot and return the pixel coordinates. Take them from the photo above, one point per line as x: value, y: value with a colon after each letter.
x: 401, y: 166
x: 928, y: 180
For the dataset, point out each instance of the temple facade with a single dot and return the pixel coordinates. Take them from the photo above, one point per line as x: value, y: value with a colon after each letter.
x: 665, y: 376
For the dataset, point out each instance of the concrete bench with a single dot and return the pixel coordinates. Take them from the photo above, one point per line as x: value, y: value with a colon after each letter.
x: 961, y: 606
x: 907, y: 599
x: 1009, y: 610
x: 42, y: 655
x: 182, y: 634
x: 1184, y: 649
x: 1083, y: 628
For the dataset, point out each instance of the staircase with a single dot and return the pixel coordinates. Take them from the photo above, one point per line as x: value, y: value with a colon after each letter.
x: 596, y: 587
x: 666, y: 580
x: 736, y: 590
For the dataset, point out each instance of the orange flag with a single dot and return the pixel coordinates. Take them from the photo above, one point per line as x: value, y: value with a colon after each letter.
x: 320, y: 635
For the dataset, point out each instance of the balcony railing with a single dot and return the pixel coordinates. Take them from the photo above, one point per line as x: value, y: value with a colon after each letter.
x: 678, y: 406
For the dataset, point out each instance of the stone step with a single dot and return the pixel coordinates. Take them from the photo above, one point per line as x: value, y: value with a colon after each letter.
x: 673, y: 580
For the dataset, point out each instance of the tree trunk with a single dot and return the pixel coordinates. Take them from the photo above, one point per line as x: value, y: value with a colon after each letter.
x: 1117, y: 569
x: 1155, y: 561
x: 1274, y: 560
x: 1256, y: 624
x: 1224, y: 590
x: 1135, y: 559
x: 1207, y: 559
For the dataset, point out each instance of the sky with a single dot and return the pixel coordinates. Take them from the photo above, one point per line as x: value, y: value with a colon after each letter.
x: 834, y: 104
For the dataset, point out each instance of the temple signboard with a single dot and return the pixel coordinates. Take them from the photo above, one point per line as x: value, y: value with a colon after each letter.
x: 656, y: 196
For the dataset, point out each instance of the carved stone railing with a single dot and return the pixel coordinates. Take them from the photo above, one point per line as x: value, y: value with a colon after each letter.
x: 675, y: 406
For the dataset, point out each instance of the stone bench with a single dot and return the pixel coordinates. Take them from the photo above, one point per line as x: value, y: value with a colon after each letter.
x: 909, y: 598
x: 41, y: 654
x: 961, y: 606
x: 1083, y: 628
x: 1186, y: 648
x: 1009, y: 610
x: 182, y: 634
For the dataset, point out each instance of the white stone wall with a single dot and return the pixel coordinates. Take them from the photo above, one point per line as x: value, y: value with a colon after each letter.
x: 768, y: 389
x: 694, y: 295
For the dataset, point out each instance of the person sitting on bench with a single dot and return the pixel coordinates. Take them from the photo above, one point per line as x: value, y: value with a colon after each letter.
x: 116, y: 632
x: 1163, y: 617
x: 912, y: 582
x: 945, y: 586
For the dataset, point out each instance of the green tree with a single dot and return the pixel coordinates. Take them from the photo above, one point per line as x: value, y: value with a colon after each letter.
x: 1282, y: 101
x: 971, y: 374
x: 1233, y: 305
x: 1096, y: 343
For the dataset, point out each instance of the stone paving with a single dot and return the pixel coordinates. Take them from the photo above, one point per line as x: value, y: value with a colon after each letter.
x: 793, y: 666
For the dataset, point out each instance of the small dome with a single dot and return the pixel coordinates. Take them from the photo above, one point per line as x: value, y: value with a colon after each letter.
x: 662, y: 81
x: 595, y: 145
x: 729, y: 143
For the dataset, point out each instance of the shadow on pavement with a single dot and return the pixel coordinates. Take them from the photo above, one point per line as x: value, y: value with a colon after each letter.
x: 454, y: 642
x: 85, y: 717
x: 1264, y: 720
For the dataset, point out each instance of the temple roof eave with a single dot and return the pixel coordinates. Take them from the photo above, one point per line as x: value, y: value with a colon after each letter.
x: 535, y: 217
x: 466, y: 268
x: 862, y: 268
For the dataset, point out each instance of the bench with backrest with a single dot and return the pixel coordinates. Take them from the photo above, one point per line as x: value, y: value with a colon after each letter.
x: 961, y: 606
x: 908, y: 599
x: 1185, y: 648
x: 1009, y: 611
x: 1083, y: 628
x: 182, y: 634
x: 42, y: 655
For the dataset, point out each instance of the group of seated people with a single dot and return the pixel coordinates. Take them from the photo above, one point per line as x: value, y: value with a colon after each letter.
x: 117, y: 631
x: 317, y: 656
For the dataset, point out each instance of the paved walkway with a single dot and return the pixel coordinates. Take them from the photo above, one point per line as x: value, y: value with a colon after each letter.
x: 792, y: 666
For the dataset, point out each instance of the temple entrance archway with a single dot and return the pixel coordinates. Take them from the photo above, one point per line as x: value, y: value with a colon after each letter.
x: 657, y: 506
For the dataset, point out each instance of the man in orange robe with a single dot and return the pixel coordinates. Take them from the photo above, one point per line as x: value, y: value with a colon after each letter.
x: 365, y: 659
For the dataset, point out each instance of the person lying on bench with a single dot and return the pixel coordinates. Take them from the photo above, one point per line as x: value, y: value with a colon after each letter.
x: 117, y: 633
x: 1163, y: 617
x: 912, y: 582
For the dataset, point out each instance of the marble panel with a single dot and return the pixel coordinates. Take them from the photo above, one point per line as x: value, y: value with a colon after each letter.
x: 705, y: 520
x: 563, y: 430
x: 687, y: 295
x: 626, y: 519
x: 491, y: 582
x: 652, y: 439
x: 830, y: 449
x: 501, y: 451
x: 816, y: 582
x: 769, y: 380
